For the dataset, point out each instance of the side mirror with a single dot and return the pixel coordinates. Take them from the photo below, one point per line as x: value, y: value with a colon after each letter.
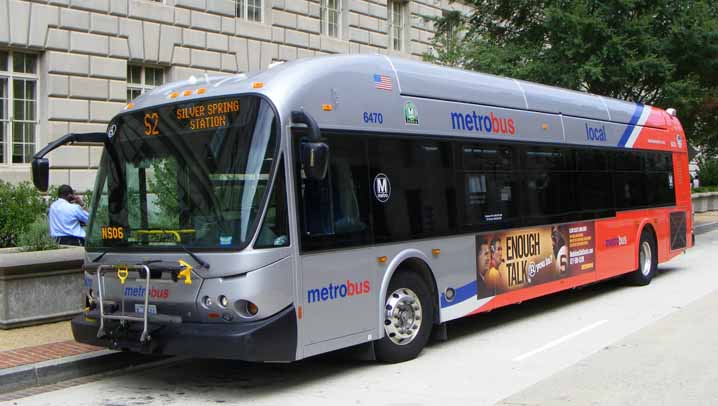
x: 41, y: 173
x: 315, y: 159
x: 41, y: 166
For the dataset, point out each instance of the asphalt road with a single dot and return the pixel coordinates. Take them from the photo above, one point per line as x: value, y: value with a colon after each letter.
x: 604, y: 344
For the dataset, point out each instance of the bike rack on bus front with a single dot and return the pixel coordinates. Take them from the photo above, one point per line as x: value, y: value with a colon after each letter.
x: 179, y: 271
x: 123, y: 315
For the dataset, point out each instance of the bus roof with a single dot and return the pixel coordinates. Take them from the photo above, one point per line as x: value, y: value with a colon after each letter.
x: 447, y: 101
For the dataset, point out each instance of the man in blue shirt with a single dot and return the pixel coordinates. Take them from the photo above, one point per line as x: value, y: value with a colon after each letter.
x: 67, y: 216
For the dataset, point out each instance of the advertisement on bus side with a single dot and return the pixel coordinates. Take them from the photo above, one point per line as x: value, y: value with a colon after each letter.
x: 515, y: 259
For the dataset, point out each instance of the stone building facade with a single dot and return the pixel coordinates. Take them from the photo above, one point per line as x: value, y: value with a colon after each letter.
x: 70, y: 65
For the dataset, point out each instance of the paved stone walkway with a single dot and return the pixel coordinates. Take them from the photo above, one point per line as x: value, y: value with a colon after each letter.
x: 30, y: 345
x: 46, y: 352
x: 35, y: 335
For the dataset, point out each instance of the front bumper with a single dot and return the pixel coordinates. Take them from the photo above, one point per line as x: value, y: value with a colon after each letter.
x: 271, y: 339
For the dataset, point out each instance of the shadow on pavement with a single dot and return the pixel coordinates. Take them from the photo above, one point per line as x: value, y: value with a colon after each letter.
x: 531, y: 308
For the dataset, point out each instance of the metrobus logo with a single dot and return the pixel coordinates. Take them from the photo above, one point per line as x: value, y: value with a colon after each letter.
x: 490, y: 123
x: 139, y: 291
x: 337, y: 291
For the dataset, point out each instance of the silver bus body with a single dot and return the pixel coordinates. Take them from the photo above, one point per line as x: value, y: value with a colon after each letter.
x: 301, y: 309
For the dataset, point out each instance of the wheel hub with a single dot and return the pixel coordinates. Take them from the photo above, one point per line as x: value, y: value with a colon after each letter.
x: 644, y: 258
x: 403, y: 316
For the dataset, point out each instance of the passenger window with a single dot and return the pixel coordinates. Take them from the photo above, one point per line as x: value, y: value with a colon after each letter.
x: 422, y: 199
x: 487, y: 157
x: 629, y: 189
x: 489, y: 198
x: 275, y: 227
x: 593, y: 191
x: 592, y: 160
x: 628, y: 160
x: 658, y: 161
x: 548, y: 193
x: 542, y: 158
x: 335, y: 210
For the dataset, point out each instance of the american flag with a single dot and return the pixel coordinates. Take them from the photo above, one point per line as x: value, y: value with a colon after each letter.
x: 382, y: 82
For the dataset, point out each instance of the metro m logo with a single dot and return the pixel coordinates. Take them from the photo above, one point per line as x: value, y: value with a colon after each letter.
x: 382, y: 188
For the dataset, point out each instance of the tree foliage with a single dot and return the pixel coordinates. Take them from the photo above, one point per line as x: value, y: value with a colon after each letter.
x: 163, y: 184
x: 658, y: 52
x: 708, y: 172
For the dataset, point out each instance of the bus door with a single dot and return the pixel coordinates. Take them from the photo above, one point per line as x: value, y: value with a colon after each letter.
x: 338, y: 278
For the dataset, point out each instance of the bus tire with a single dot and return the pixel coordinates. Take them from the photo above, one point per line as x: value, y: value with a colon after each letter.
x: 647, y: 260
x: 408, y: 318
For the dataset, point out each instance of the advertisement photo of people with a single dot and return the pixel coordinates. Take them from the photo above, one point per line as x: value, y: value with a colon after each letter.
x: 515, y: 259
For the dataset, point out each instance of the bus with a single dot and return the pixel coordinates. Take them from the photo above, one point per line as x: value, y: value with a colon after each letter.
x: 364, y: 200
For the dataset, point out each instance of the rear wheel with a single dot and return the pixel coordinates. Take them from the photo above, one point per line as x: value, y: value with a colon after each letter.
x: 647, y: 260
x: 408, y: 318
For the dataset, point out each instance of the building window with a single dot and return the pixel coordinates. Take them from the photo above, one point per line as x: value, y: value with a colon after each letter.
x: 18, y: 107
x: 142, y: 78
x: 250, y: 10
x: 396, y: 25
x: 329, y: 17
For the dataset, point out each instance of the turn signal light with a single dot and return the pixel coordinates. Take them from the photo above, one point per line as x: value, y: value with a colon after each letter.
x: 246, y: 308
x: 327, y: 107
x: 381, y: 259
x: 252, y: 308
x: 257, y: 85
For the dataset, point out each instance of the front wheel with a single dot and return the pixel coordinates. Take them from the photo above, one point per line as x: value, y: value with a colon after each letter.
x: 647, y: 260
x: 408, y: 318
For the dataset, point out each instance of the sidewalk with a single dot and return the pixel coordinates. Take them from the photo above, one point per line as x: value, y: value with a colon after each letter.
x: 24, y: 351
x: 705, y: 222
x: 670, y: 362
x: 34, y: 344
x: 47, y: 354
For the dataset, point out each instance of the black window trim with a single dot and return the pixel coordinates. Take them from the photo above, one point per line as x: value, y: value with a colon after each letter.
x: 456, y: 144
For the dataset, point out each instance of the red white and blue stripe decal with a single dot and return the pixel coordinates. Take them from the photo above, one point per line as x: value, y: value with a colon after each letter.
x: 638, y: 120
x: 464, y: 302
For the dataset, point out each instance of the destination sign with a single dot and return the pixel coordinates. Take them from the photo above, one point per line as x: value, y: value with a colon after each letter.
x: 207, y: 115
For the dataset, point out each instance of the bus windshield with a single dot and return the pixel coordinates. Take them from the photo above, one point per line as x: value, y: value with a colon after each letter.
x: 190, y: 174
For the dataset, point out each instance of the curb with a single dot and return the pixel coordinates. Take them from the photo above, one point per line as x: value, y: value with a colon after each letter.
x: 705, y: 227
x: 76, y: 366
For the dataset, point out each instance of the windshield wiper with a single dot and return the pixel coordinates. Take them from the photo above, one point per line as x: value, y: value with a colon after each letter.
x: 194, y: 256
x: 99, y: 257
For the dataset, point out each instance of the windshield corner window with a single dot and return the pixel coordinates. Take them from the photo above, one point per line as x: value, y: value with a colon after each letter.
x: 275, y: 226
x: 190, y: 174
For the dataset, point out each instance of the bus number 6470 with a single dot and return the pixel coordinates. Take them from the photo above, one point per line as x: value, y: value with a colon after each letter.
x: 377, y: 118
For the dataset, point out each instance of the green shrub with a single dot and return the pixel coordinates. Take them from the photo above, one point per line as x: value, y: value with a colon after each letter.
x: 20, y: 205
x: 37, y: 236
x: 708, y: 172
x: 705, y: 189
